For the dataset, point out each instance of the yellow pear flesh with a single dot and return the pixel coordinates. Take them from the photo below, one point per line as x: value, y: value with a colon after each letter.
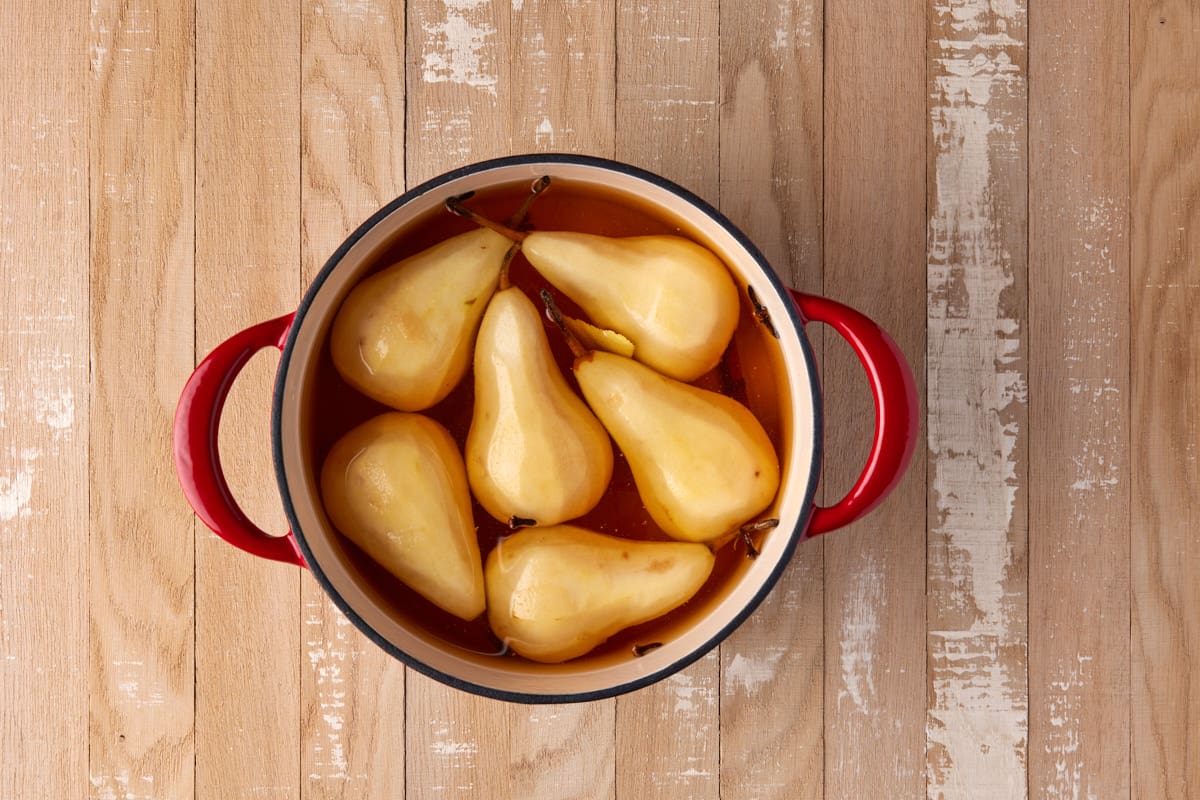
x: 534, y: 450
x: 702, y: 463
x: 556, y: 593
x: 674, y: 299
x: 403, y: 336
x: 396, y: 487
x: 596, y: 338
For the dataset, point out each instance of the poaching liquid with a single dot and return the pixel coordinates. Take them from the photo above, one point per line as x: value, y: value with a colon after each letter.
x: 744, y: 374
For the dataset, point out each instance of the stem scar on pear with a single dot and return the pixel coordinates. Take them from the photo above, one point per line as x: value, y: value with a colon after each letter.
x: 515, y: 522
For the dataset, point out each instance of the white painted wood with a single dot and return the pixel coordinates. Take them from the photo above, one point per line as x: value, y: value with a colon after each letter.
x: 977, y: 719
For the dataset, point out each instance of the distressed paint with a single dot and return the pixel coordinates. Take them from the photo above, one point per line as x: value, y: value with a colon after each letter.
x: 563, y: 48
x: 142, y: 678
x: 858, y: 634
x: 16, y: 487
x: 1079, y: 400
x: 690, y: 706
x: 327, y: 662
x: 538, y: 76
x: 1071, y: 779
x: 750, y: 673
x: 1095, y: 476
x: 352, y: 161
x: 874, y: 232
x: 454, y: 49
x: 976, y: 726
x: 667, y: 119
x: 455, y: 92
x: 44, y: 414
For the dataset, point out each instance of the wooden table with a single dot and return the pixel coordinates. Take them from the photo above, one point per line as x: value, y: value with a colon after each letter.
x: 1015, y: 196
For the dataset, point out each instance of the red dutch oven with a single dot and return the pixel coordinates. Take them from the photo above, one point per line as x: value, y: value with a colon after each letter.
x: 796, y: 411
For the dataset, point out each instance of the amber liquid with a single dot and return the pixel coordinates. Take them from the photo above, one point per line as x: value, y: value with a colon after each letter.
x: 338, y: 408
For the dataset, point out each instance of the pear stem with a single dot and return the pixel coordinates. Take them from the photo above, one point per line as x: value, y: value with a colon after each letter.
x: 640, y: 650
x: 454, y: 206
x: 754, y: 527
x: 509, y: 255
x: 577, y: 348
x: 540, y: 185
x: 516, y: 221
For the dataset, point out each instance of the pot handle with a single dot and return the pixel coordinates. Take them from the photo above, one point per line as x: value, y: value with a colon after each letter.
x: 197, y: 461
x: 896, y: 410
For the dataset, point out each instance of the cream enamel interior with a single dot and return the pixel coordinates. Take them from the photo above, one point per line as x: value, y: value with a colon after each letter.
x: 586, y: 675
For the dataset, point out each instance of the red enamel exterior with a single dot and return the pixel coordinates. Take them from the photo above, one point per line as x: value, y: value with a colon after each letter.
x: 896, y: 407
x: 197, y: 461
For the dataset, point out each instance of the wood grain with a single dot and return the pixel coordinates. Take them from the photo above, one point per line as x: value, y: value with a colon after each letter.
x: 352, y: 145
x: 248, y: 644
x: 561, y: 74
x: 772, y: 687
x: 141, y: 588
x: 457, y: 105
x: 44, y: 399
x: 456, y: 114
x: 874, y: 240
x: 485, y: 81
x: 668, y: 121
x: 1014, y: 196
x: 562, y: 100
x: 1079, y: 400
x: 1165, y: 414
x: 976, y: 727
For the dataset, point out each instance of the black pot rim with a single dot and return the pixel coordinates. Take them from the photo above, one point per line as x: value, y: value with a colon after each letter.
x: 797, y: 534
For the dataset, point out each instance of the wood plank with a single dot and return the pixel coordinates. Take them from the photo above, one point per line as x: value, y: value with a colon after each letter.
x: 977, y: 724
x: 248, y: 644
x: 352, y: 139
x: 1079, y: 401
x: 874, y: 261
x: 561, y: 751
x: 485, y: 81
x: 44, y: 400
x: 455, y: 58
x: 668, y: 121
x: 561, y: 72
x: 1165, y: 281
x: 772, y: 679
x: 141, y: 590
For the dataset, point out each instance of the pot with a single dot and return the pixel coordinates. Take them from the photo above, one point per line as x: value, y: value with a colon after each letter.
x: 796, y: 409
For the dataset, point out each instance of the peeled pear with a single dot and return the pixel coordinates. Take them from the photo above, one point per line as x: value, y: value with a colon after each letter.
x: 555, y: 593
x: 403, y: 336
x: 535, y: 453
x: 675, y: 300
x: 702, y: 463
x: 396, y: 487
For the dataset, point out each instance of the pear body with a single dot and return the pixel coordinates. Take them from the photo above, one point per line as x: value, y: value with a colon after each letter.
x: 534, y: 449
x: 396, y: 487
x: 702, y: 463
x: 674, y: 299
x: 403, y: 336
x: 556, y: 593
